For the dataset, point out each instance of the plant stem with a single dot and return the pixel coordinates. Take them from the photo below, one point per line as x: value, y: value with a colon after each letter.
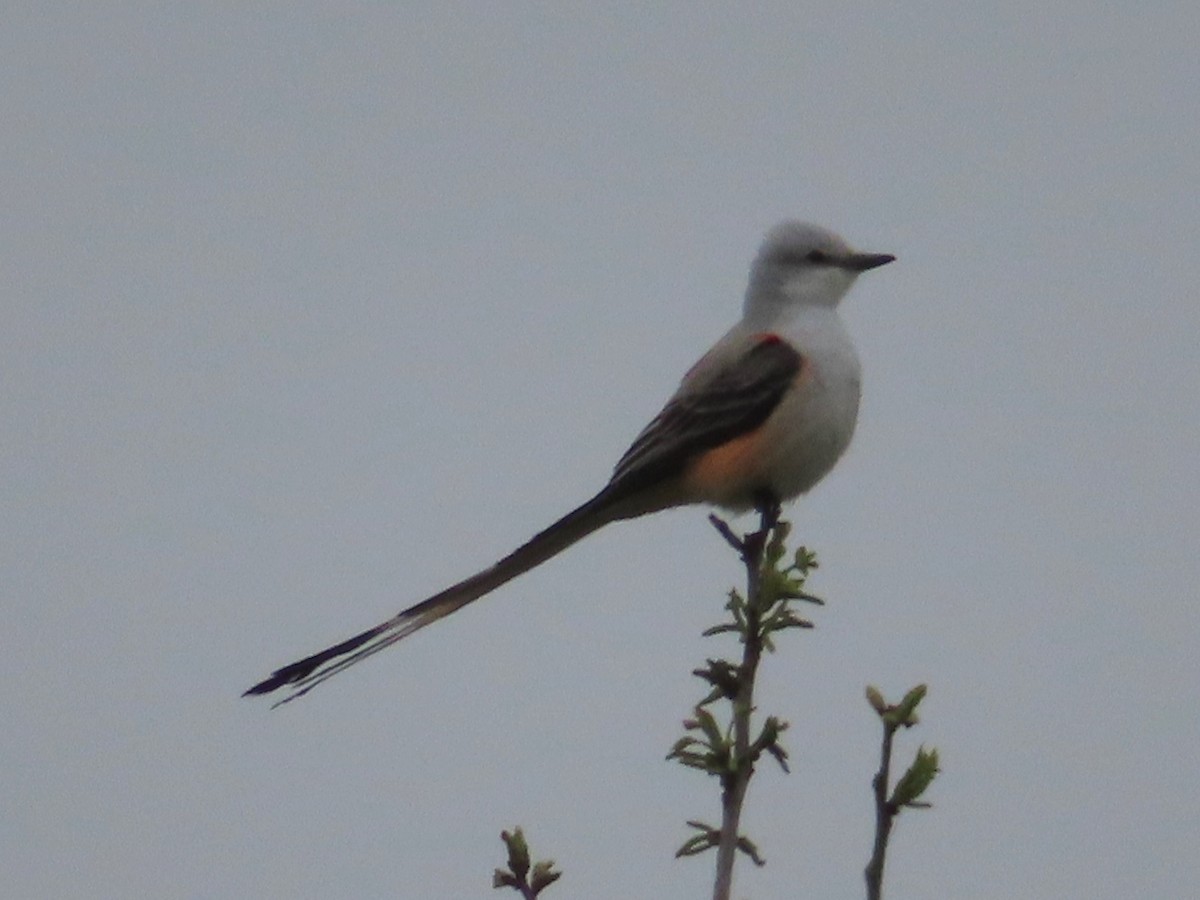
x: 735, y: 782
x: 884, y: 815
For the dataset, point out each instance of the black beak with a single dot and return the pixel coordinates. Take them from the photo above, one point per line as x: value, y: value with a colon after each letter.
x: 860, y: 262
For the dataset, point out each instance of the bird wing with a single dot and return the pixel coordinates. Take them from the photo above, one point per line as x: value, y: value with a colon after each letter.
x: 715, y: 404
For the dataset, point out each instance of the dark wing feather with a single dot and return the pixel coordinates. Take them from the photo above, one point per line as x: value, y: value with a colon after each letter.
x: 734, y: 400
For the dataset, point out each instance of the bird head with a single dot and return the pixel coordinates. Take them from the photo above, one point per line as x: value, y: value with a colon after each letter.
x: 803, y: 264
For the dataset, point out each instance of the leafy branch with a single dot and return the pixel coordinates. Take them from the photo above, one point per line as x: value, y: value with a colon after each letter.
x: 728, y: 748
x: 528, y: 880
x: 908, y: 790
x: 723, y: 741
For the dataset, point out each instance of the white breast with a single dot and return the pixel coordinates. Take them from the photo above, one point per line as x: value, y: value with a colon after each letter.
x: 814, y: 422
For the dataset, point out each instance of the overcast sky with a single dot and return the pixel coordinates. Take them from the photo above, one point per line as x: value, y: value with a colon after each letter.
x: 309, y: 311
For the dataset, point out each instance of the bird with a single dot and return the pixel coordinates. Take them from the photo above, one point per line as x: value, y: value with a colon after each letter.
x: 760, y: 419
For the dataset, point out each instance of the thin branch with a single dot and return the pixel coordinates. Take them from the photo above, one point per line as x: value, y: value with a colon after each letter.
x: 526, y: 878
x: 729, y: 750
x: 884, y: 815
x: 726, y: 532
x: 909, y: 787
x: 735, y: 782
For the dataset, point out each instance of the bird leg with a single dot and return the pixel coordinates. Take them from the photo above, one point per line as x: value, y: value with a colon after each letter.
x: 769, y: 511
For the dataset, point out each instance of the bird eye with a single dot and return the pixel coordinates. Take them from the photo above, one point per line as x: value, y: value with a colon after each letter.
x: 817, y: 256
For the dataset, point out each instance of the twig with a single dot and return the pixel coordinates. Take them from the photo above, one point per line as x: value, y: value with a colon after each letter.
x: 736, y: 780
x: 730, y: 750
x: 884, y: 816
x: 908, y: 789
x: 528, y: 880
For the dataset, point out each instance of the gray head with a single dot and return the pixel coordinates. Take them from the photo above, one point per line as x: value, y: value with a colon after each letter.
x: 800, y: 263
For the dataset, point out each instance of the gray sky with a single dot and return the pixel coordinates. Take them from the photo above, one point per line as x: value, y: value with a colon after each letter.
x: 311, y: 311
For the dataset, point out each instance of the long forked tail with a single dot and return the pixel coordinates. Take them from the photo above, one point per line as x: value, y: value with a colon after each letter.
x: 306, y: 674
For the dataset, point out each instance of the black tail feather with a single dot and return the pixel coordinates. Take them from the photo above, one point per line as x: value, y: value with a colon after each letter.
x: 297, y: 671
x: 306, y: 674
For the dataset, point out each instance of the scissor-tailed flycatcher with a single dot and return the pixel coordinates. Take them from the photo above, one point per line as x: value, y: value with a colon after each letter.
x: 764, y: 414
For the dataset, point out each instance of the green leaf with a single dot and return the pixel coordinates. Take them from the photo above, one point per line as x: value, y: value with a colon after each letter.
x: 805, y: 597
x: 543, y: 876
x: 905, y: 712
x: 500, y: 879
x: 906, y: 709
x: 789, y: 590
x: 875, y: 698
x: 722, y: 675
x: 705, y: 762
x: 804, y: 560
x: 694, y: 846
x: 698, y: 843
x: 913, y: 698
x: 920, y: 775
x: 768, y: 741
x: 785, y: 618
x: 747, y: 846
x: 719, y: 629
x: 707, y: 723
x: 684, y: 744
x: 518, y: 852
